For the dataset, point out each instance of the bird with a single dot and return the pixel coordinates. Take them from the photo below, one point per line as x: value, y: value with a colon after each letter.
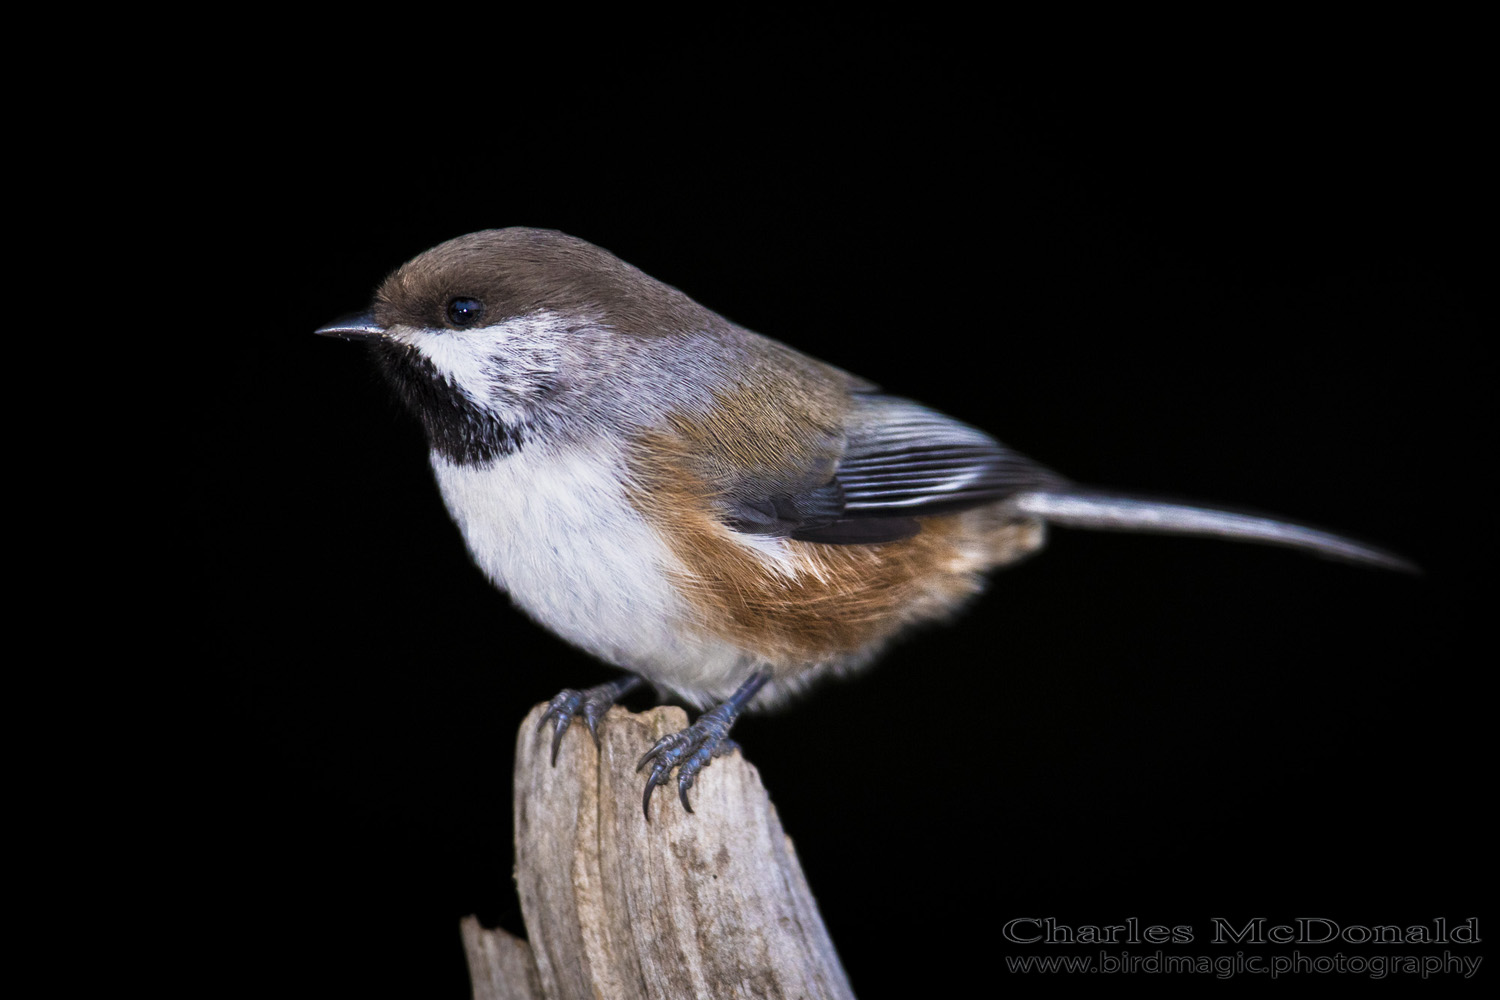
x: 705, y: 508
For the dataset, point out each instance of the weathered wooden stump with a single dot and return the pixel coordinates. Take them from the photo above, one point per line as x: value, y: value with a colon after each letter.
x: 709, y: 904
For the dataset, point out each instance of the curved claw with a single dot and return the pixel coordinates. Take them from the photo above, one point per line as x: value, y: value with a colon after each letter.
x: 692, y: 751
x: 658, y: 777
x: 563, y: 722
x: 592, y: 713
x: 696, y: 746
x: 688, y: 773
x: 667, y: 753
x: 591, y: 704
x: 560, y: 713
x: 663, y: 748
x: 565, y: 703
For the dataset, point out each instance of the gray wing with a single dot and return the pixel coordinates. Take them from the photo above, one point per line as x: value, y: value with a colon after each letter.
x: 902, y: 461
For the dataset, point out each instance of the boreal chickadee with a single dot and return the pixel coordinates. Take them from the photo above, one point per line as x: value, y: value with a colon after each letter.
x: 699, y: 505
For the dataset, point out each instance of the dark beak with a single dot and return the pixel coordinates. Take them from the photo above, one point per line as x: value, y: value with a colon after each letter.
x: 355, y: 326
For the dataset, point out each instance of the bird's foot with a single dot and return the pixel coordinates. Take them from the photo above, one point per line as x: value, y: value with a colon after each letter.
x: 695, y: 747
x: 590, y: 703
x: 690, y: 751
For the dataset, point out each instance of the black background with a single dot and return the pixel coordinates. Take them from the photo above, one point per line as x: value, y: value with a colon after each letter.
x: 1259, y: 296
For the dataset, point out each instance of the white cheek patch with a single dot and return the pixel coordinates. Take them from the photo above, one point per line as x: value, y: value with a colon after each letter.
x: 456, y: 357
x: 499, y: 365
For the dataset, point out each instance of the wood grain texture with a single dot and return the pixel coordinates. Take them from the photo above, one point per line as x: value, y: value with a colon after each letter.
x: 712, y: 904
x: 500, y: 964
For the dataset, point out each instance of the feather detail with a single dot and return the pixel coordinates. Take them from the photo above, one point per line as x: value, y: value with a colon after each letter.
x: 790, y: 603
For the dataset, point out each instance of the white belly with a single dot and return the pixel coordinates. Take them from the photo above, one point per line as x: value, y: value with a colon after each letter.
x: 557, y: 533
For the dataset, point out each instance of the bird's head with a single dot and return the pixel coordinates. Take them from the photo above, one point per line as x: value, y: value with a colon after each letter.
x: 508, y: 334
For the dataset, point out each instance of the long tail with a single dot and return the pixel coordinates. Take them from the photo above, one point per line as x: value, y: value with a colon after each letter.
x: 1081, y: 508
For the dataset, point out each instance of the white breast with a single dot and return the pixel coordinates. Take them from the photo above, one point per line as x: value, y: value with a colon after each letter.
x: 557, y: 533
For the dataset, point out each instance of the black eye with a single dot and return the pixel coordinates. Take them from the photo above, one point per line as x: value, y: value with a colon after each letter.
x: 464, y: 311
